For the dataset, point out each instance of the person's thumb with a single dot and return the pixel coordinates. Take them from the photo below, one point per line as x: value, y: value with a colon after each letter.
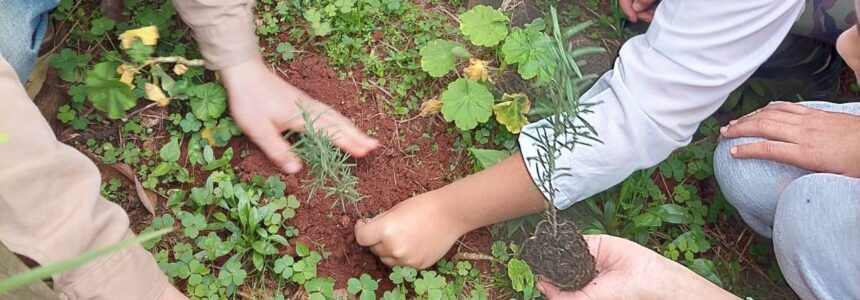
x: 276, y: 148
x: 368, y: 232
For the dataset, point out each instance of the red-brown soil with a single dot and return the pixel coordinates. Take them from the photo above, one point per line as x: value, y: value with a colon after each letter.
x: 386, y: 177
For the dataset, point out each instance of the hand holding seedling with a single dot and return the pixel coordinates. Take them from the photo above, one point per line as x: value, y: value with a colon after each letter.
x: 636, y: 10
x: 629, y: 271
x: 801, y: 136
x: 265, y: 106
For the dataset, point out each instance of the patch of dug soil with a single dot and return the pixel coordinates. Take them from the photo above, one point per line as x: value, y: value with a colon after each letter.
x: 387, y: 176
x: 561, y: 257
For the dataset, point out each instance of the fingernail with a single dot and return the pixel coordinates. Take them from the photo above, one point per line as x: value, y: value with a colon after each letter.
x: 724, y: 129
x: 733, y: 122
x: 733, y: 151
x: 540, y: 288
x: 637, y: 6
x: 372, y: 143
x: 292, y: 167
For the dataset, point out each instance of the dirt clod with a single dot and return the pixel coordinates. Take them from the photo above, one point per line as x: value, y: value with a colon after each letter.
x: 560, y: 257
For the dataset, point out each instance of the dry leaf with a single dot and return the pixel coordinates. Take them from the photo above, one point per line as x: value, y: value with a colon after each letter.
x: 147, y: 35
x: 126, y: 74
x: 37, y: 76
x: 147, y: 198
x: 180, y: 69
x: 207, y: 134
x: 477, y: 70
x: 155, y: 94
x: 512, y: 111
x: 430, y: 107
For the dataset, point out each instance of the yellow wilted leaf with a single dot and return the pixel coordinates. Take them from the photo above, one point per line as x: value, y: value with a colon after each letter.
x: 430, y: 107
x: 477, y: 70
x: 207, y: 134
x: 512, y: 111
x: 180, y: 69
x: 154, y: 93
x: 147, y: 35
x: 126, y: 74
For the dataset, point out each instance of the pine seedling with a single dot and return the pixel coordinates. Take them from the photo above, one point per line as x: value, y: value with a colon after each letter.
x: 330, y: 172
x: 565, y: 126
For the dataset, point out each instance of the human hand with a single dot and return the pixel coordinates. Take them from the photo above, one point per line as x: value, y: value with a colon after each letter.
x: 415, y: 233
x: 636, y: 10
x: 264, y: 106
x: 627, y: 270
x: 801, y: 136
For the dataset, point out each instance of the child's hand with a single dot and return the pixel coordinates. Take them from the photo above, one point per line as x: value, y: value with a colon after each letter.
x: 416, y: 233
x: 848, y: 46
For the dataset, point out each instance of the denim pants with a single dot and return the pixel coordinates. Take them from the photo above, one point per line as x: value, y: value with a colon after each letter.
x: 22, y: 28
x: 813, y: 218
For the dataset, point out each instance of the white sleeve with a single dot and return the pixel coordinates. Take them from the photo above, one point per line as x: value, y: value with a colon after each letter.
x: 666, y: 82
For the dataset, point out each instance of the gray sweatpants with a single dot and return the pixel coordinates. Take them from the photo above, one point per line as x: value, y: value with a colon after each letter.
x: 813, y: 218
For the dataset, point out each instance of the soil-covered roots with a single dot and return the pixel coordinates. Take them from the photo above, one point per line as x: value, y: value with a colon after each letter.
x: 560, y: 256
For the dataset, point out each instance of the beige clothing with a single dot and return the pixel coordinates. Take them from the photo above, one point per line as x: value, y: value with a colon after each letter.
x: 50, y: 206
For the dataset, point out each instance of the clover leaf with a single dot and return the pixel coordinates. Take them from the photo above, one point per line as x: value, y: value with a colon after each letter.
x: 68, y: 63
x: 466, y: 103
x: 439, y: 56
x: 284, y: 266
x: 484, y: 26
x: 365, y: 285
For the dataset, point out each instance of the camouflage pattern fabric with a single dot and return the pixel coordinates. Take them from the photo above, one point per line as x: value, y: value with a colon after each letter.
x: 825, y: 19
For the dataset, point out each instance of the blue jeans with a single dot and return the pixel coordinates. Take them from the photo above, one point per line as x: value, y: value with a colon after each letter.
x: 22, y: 28
x: 813, y: 218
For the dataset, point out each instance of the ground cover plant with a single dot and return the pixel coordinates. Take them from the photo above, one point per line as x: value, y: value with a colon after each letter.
x: 446, y: 86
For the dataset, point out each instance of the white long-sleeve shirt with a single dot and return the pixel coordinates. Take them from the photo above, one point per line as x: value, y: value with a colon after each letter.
x: 665, y: 82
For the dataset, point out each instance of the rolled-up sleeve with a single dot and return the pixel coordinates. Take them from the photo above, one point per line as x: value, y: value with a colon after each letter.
x: 665, y: 82
x: 224, y: 29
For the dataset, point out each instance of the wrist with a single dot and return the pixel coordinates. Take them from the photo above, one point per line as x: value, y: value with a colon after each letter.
x: 243, y: 70
x: 443, y: 204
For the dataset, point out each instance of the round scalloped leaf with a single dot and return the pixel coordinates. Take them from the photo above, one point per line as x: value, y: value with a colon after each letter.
x: 467, y: 103
x: 512, y: 111
x: 530, y: 50
x: 438, y: 56
x: 484, y: 26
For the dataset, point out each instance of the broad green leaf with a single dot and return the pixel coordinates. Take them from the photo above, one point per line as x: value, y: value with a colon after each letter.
x: 531, y: 51
x: 466, y: 103
x: 522, y: 278
x: 512, y: 111
x: 439, y: 56
x: 170, y: 152
x: 106, y: 92
x: 208, y: 101
x: 484, y: 158
x: 484, y: 26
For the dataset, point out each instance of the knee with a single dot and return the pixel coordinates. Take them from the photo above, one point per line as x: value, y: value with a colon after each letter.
x: 741, y: 180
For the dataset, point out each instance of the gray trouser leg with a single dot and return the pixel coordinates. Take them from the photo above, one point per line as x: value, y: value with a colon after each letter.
x: 815, y: 241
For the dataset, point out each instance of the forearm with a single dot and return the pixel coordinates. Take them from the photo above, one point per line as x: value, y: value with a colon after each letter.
x: 503, y: 192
